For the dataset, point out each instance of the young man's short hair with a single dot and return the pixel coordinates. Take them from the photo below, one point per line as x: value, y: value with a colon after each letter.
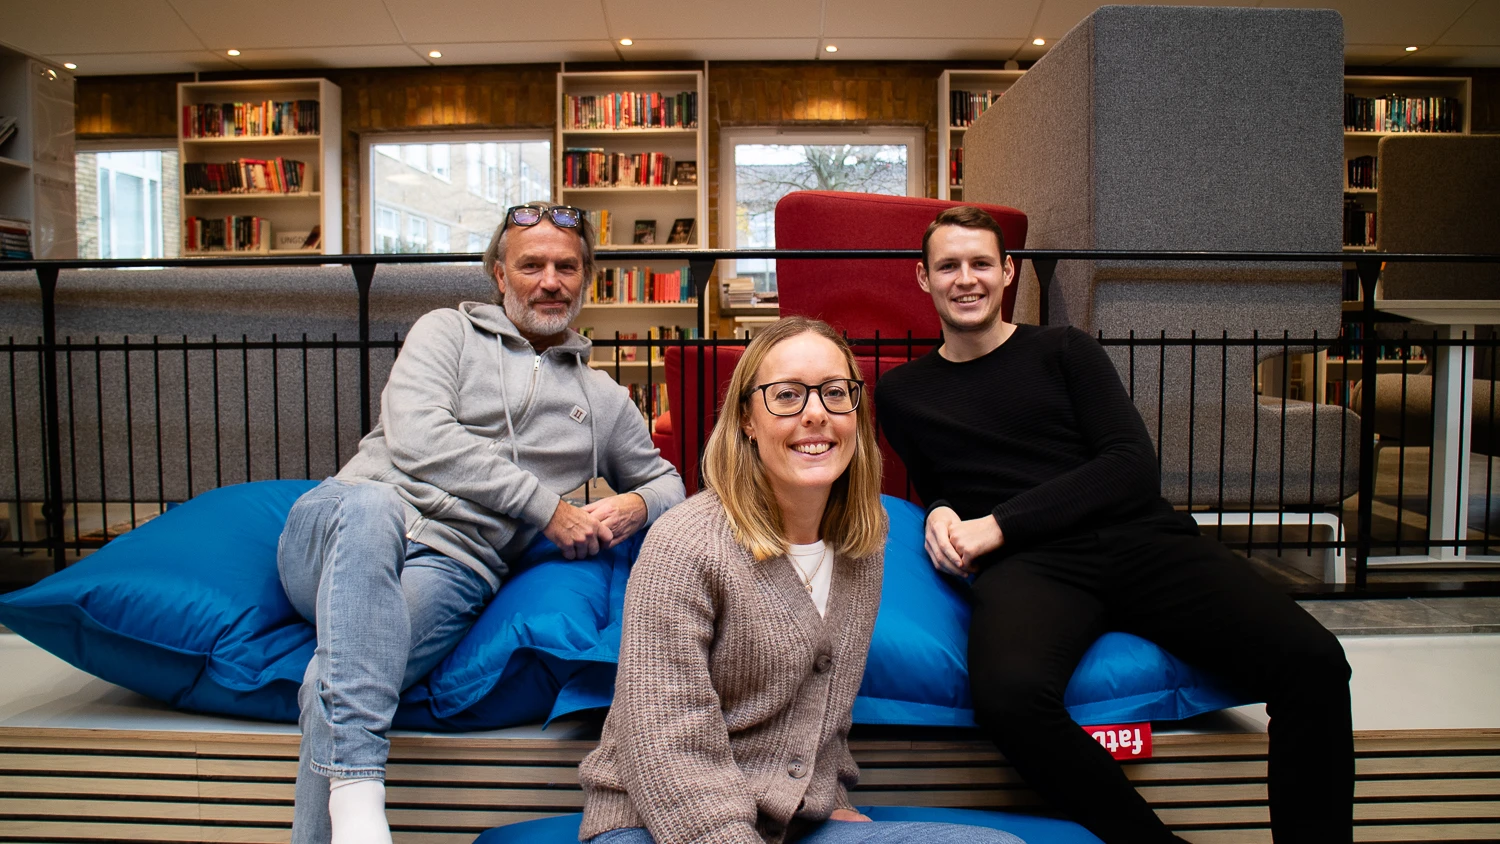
x: 968, y: 217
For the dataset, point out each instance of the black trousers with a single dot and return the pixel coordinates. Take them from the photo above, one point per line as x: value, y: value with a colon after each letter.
x: 1037, y: 611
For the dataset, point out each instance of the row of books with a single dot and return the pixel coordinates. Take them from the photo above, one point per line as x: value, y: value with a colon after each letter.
x: 226, y: 234
x: 622, y: 285
x: 15, y: 238
x: 1353, y: 334
x: 956, y: 167
x: 1362, y: 172
x: 595, y: 168
x: 964, y: 107
x: 631, y: 110
x: 650, y: 400
x: 1394, y: 113
x: 250, y: 120
x: 245, y: 175
x: 626, y: 353
x: 602, y: 223
x: 1359, y: 225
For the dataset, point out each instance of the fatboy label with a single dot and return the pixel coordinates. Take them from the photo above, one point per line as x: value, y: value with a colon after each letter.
x: 1123, y: 741
x: 577, y: 414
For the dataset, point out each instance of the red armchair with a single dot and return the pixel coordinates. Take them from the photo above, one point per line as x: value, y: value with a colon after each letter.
x: 857, y: 297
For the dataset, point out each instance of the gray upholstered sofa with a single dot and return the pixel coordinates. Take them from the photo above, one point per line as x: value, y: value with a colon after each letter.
x: 1175, y: 128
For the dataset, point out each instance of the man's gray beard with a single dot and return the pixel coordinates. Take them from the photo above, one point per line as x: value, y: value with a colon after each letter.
x: 530, y: 322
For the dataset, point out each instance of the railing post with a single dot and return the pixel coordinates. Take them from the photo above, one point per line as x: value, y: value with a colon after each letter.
x: 699, y: 269
x: 1045, y: 269
x: 52, y: 509
x: 1369, y: 271
x: 364, y: 274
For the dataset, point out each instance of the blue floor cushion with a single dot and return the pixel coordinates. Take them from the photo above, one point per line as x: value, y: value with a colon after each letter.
x: 1029, y: 828
x: 188, y: 609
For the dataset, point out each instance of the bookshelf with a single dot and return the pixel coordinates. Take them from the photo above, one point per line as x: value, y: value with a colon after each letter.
x: 298, y: 187
x: 955, y: 113
x: 1377, y: 106
x: 609, y: 156
x: 38, y: 198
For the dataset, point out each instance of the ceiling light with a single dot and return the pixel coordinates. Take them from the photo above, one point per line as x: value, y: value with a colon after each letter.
x: 234, y: 52
x: 434, y: 54
x: 1039, y: 41
x: 830, y: 49
x: 626, y: 42
x: 70, y: 66
x: 1411, y: 49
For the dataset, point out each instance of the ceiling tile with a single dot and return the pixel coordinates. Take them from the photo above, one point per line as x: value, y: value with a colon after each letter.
x: 308, y: 24
x: 373, y: 55
x: 510, y: 21
x: 118, y: 64
x: 1059, y: 16
x: 1389, y: 21
x: 521, y: 52
x: 964, y: 19
x: 695, y: 19
x: 1479, y: 25
x: 918, y: 49
x: 722, y: 49
x: 1445, y: 56
x: 60, y: 27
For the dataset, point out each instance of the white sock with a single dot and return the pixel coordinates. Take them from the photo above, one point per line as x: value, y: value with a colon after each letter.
x: 356, y: 808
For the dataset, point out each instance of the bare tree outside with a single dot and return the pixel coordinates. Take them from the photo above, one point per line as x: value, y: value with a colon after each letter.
x: 764, y: 173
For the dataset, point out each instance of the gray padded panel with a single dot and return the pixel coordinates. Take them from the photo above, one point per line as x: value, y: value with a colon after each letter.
x: 1439, y: 194
x: 169, y: 441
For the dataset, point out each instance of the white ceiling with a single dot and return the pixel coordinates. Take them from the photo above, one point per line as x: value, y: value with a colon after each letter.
x: 171, y: 36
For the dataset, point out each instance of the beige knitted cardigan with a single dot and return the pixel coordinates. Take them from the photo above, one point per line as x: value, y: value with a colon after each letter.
x: 732, y: 705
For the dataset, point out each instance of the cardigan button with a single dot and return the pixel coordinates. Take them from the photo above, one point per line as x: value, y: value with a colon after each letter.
x: 823, y: 663
x: 796, y: 770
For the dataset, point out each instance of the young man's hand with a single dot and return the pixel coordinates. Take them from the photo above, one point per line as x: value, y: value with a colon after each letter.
x: 577, y: 532
x: 623, y: 514
x: 954, y: 544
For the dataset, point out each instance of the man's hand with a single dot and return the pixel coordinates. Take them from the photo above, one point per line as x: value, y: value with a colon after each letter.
x: 847, y: 815
x: 577, y: 532
x: 939, y: 546
x: 623, y: 514
x: 974, y: 538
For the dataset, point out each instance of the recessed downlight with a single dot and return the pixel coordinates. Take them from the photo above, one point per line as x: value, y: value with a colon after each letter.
x: 626, y: 42
x: 70, y: 66
x: 1411, y: 49
x: 1039, y: 41
x: 234, y: 52
x: 434, y: 54
x: 830, y: 49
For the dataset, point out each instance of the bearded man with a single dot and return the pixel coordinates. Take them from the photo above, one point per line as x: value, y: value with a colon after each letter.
x: 490, y: 416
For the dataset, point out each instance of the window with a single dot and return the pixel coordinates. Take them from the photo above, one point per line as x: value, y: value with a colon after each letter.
x: 478, y: 242
x: 413, y: 185
x: 767, y: 166
x: 127, y: 203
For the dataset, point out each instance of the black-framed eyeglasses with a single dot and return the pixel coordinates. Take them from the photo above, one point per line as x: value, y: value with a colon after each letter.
x: 788, y: 398
x: 562, y: 216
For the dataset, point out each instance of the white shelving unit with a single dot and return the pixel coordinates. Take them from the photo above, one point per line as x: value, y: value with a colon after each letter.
x: 37, y: 182
x: 661, y: 204
x: 950, y: 136
x: 319, y: 203
x: 1357, y: 144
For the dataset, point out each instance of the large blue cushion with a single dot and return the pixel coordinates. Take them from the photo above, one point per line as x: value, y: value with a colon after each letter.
x: 918, y: 668
x: 188, y: 609
x: 1029, y: 828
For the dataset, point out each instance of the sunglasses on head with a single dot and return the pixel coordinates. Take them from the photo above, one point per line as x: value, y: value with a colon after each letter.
x: 562, y: 216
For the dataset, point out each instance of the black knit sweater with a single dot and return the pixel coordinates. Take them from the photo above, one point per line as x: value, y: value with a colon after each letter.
x: 1039, y: 432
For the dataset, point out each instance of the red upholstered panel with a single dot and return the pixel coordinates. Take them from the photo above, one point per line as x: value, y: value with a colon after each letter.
x: 860, y: 297
x: 688, y: 379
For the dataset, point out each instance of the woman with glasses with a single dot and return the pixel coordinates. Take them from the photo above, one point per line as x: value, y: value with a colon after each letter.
x: 747, y: 621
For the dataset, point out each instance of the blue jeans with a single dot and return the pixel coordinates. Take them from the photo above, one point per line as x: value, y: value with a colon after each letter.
x: 387, y: 610
x: 857, y: 832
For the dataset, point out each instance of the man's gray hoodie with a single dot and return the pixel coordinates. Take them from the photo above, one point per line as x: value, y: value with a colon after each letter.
x: 481, y: 436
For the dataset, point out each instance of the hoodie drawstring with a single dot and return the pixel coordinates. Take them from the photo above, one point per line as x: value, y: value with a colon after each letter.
x: 510, y: 427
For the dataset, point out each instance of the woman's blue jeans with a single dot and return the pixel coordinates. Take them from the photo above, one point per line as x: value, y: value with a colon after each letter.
x: 387, y: 610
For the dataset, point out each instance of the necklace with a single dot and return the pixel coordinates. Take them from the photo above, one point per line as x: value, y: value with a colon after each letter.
x: 809, y: 577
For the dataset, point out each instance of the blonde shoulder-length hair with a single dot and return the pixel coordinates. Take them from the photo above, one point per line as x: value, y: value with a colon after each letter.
x: 853, y: 522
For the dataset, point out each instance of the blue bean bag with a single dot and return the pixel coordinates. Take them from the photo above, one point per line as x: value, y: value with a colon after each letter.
x: 188, y: 609
x: 1029, y: 828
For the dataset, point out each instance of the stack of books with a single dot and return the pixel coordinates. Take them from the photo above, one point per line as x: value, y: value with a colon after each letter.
x: 621, y: 285
x: 226, y: 234
x: 595, y: 168
x: 737, y: 293
x: 15, y: 238
x: 249, y: 120
x: 246, y: 175
x: 629, y: 110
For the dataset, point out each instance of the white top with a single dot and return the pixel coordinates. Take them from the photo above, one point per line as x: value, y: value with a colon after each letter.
x: 814, y: 565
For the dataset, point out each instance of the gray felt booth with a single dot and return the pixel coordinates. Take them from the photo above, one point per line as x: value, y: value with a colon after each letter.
x: 198, y: 420
x: 1178, y: 128
x: 1437, y: 194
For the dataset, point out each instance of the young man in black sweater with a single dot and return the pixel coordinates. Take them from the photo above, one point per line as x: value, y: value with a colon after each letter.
x: 1039, y: 476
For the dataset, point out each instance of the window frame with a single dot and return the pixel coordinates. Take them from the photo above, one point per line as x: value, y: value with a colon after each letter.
x: 368, y: 142
x: 159, y: 145
x: 914, y: 138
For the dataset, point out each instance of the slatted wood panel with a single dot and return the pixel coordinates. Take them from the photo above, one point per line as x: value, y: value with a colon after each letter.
x: 98, y: 785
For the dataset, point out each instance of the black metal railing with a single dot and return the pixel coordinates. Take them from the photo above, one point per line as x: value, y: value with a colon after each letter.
x: 130, y: 423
